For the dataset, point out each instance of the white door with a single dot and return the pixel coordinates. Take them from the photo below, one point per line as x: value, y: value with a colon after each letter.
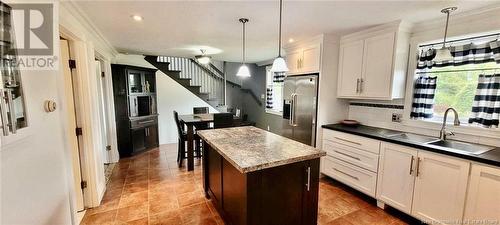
x: 396, y: 176
x: 483, y: 197
x: 350, y: 68
x: 377, y: 66
x: 69, y: 108
x: 103, y: 112
x: 440, y: 188
x: 293, y: 61
x: 311, y: 58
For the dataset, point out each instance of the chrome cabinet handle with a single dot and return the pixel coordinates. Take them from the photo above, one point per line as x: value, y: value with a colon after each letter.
x: 350, y: 156
x: 349, y: 175
x: 418, y: 167
x: 357, y: 85
x: 352, y: 142
x: 308, y: 185
x: 12, y: 111
x: 3, y: 112
x: 361, y: 82
x: 411, y: 165
x: 144, y: 122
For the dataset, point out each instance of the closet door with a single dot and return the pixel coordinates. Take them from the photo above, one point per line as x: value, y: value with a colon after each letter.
x: 377, y: 66
x: 350, y: 68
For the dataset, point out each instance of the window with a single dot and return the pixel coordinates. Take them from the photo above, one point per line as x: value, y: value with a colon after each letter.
x: 274, y: 92
x: 454, y: 83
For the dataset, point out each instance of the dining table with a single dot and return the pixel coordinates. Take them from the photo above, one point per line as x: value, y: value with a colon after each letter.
x: 193, y: 121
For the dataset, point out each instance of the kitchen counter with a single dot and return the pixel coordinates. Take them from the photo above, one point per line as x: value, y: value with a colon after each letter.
x: 256, y: 177
x: 250, y: 149
x: 491, y: 157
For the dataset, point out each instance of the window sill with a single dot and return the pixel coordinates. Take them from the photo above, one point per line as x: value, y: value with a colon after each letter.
x: 278, y: 113
x: 462, y: 129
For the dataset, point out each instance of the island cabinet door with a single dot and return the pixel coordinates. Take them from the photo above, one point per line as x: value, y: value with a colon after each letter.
x: 289, y: 194
x: 214, y: 175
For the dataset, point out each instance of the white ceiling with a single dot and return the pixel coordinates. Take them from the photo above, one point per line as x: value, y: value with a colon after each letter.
x: 180, y: 28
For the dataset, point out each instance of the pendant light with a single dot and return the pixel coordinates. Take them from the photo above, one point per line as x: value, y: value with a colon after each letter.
x: 444, y: 54
x: 243, y: 71
x: 279, y: 64
x: 203, y: 59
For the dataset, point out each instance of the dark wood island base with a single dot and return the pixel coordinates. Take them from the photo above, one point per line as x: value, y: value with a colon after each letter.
x: 282, y: 195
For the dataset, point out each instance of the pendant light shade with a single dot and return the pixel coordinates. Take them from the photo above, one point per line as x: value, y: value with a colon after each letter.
x: 444, y: 54
x: 203, y: 59
x: 279, y: 64
x: 243, y: 71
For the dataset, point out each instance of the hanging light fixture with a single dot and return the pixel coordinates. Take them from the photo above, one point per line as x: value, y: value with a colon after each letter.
x: 279, y: 64
x: 444, y: 53
x: 203, y: 58
x: 243, y: 71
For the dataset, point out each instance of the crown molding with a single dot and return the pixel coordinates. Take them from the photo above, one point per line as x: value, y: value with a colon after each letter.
x: 100, y: 41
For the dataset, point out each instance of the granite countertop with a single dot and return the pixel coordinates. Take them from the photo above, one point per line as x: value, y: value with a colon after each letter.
x: 251, y: 149
x: 491, y: 157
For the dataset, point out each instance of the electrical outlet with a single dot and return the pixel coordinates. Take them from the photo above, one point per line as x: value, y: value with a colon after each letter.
x: 396, y: 117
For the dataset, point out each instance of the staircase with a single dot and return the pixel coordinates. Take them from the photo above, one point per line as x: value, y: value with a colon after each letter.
x: 205, y: 81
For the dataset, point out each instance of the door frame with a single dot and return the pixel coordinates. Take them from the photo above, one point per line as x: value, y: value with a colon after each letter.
x: 87, y: 114
x: 109, y: 107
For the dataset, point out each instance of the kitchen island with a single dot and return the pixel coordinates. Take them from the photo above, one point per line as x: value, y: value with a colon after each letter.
x: 255, y: 177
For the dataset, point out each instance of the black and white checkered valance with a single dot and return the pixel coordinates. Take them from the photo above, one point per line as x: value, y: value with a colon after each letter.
x: 423, y: 98
x: 486, y: 105
x: 269, y: 98
x: 462, y: 55
x: 278, y: 77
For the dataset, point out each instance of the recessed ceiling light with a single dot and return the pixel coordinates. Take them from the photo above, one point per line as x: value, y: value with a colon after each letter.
x: 290, y: 40
x: 137, y: 17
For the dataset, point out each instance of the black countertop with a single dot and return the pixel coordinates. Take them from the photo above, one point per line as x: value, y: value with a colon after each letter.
x: 491, y: 157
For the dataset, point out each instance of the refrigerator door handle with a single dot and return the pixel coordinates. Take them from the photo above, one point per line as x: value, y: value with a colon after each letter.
x: 292, y: 106
x: 3, y: 112
x: 294, y: 114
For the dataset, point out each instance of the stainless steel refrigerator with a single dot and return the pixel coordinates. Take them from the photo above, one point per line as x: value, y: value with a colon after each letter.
x: 299, y: 108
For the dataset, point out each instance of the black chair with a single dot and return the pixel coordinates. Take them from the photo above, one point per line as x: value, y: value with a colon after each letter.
x: 223, y: 120
x: 200, y: 110
x: 181, y: 149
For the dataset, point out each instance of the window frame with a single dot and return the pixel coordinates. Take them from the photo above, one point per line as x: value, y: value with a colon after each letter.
x: 434, y: 125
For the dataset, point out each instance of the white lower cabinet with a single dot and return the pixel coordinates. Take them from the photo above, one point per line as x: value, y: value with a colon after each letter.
x: 358, y: 178
x: 483, y: 198
x: 396, y: 176
x: 440, y: 188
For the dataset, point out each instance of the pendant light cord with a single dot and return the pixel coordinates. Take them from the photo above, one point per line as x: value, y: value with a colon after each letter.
x: 244, y: 42
x: 446, y: 28
x: 279, y: 41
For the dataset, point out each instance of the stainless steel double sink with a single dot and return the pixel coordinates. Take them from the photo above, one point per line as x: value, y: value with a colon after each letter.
x: 445, y: 145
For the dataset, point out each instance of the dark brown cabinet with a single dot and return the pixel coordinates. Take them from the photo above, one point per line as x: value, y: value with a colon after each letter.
x: 286, y: 194
x: 134, y: 90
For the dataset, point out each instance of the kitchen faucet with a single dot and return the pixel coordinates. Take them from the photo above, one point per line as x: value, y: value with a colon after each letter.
x: 443, y: 133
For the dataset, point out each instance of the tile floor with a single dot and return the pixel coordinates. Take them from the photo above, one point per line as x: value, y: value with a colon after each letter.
x: 150, y: 189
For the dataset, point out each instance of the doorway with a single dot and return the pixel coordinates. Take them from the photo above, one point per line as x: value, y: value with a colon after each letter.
x: 71, y: 125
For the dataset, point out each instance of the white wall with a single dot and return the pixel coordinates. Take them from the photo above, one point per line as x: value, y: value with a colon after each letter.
x: 171, y: 96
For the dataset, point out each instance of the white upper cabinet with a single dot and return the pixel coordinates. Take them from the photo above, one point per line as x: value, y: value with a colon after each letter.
x: 440, y: 188
x: 351, y: 61
x: 396, y: 176
x: 483, y: 198
x: 303, y: 59
x: 372, y: 63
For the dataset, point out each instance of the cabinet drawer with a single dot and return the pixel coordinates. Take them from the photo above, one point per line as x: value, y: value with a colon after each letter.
x: 355, y: 141
x: 363, y: 159
x: 358, y: 178
x: 141, y: 123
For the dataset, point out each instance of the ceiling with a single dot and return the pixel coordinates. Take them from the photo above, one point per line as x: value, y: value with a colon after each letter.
x: 181, y: 28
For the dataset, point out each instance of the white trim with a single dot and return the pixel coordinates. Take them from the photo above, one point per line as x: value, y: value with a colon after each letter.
x: 274, y: 112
